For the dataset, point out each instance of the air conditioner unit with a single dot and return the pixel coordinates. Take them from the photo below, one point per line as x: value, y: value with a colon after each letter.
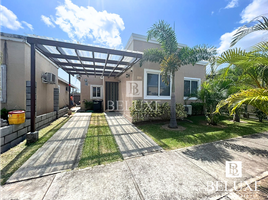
x: 188, y: 108
x: 48, y: 78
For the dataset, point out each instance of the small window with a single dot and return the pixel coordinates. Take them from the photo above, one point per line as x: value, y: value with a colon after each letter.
x: 3, y: 84
x: 155, y: 88
x: 191, y: 87
x: 96, y: 92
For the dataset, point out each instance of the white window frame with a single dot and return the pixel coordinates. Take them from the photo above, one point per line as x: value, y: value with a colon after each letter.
x: 91, y: 92
x: 3, y: 86
x: 198, y: 87
x: 152, y: 71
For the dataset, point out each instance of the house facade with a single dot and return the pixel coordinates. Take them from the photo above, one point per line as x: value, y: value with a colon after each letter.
x: 142, y: 83
x: 15, y: 73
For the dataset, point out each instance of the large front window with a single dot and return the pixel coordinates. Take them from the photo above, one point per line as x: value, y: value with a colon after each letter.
x: 155, y: 88
x: 191, y: 86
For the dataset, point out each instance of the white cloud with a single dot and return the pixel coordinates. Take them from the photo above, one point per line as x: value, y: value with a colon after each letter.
x: 246, y: 43
x: 9, y: 19
x: 256, y: 8
x: 232, y: 4
x: 85, y: 22
x: 47, y: 21
x: 212, y: 12
x: 30, y: 26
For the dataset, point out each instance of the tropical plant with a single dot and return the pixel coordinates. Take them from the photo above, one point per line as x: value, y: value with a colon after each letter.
x: 245, y: 30
x: 261, y: 115
x: 254, y: 65
x: 88, y: 104
x: 171, y: 58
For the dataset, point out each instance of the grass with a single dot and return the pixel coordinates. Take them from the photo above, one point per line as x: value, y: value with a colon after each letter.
x: 14, y: 158
x: 198, y: 132
x: 99, y: 146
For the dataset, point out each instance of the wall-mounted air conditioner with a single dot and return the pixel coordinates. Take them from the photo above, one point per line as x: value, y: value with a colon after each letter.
x: 188, y: 109
x: 48, y: 78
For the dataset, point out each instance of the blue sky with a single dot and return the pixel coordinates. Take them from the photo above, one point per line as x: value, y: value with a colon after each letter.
x: 110, y: 23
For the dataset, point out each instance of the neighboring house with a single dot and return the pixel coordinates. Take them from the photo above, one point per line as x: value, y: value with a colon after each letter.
x: 151, y: 88
x: 64, y: 92
x: 15, y: 72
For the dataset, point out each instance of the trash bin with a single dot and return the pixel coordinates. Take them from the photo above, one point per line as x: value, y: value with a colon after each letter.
x: 16, y: 117
x: 97, y: 105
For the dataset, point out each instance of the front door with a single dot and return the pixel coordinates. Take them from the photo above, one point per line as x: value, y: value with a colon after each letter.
x: 111, y: 95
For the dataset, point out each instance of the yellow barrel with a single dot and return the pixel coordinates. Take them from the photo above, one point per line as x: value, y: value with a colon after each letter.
x: 16, y: 117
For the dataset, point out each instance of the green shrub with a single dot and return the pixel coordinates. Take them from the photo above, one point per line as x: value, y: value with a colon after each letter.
x: 213, y: 119
x: 261, y: 115
x: 197, y: 108
x: 88, y: 105
x: 4, y: 113
x: 143, y: 110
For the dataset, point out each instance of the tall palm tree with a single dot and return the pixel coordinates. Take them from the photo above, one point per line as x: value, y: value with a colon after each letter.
x: 171, y: 58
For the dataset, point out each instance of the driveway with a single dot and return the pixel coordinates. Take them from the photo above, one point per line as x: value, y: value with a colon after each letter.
x: 190, y: 173
x: 131, y: 141
x: 60, y: 152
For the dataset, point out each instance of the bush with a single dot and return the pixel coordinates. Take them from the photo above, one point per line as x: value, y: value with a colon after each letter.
x: 197, y: 108
x: 213, y: 119
x: 4, y: 113
x: 88, y: 105
x: 261, y: 115
x: 142, y: 111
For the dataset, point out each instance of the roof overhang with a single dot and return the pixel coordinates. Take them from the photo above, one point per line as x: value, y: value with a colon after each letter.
x: 81, y: 59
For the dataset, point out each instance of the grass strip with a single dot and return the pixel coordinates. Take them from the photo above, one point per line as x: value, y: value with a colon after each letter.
x: 99, y: 146
x: 14, y: 158
x: 199, y: 132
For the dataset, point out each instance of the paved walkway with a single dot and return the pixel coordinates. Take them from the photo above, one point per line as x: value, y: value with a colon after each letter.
x: 59, y: 153
x: 179, y: 174
x: 131, y: 141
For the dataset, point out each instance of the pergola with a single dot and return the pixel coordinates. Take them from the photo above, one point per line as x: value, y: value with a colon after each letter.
x: 79, y: 59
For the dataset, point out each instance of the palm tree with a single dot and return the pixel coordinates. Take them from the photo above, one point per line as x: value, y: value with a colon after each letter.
x: 171, y: 58
x: 254, y: 64
x: 245, y: 30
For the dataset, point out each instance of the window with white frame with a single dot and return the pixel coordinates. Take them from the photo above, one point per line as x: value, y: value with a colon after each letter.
x: 96, y: 92
x: 191, y: 87
x: 154, y: 87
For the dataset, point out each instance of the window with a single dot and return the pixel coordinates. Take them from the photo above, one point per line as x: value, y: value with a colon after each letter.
x: 96, y: 92
x: 191, y: 86
x: 154, y: 87
x: 3, y: 90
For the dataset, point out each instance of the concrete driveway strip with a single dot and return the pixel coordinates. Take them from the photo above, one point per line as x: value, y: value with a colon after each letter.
x: 212, y: 158
x: 131, y: 141
x: 170, y: 176
x: 30, y: 189
x: 102, y: 182
x: 60, y: 152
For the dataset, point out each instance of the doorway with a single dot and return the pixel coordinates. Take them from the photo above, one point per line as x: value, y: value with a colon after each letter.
x: 111, y: 95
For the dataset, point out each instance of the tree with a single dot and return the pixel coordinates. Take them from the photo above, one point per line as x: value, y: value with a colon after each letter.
x: 254, y: 64
x: 171, y: 58
x: 245, y: 30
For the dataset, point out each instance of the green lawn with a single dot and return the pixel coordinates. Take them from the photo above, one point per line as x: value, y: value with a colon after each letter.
x: 198, y: 132
x: 18, y: 155
x: 99, y: 146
